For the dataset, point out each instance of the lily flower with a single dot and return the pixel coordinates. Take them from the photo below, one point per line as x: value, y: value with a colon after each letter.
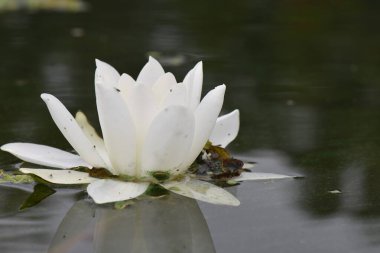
x: 153, y: 129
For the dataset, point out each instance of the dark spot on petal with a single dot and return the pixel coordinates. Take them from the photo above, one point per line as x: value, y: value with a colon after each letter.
x: 118, y: 90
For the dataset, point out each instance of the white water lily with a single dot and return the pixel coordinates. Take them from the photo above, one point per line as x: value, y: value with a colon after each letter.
x: 150, y: 125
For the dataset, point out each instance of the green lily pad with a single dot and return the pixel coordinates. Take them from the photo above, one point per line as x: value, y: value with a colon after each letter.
x: 40, y: 192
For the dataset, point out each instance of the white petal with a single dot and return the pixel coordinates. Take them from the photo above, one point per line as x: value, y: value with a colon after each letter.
x: 142, y: 106
x: 125, y: 82
x: 163, y: 84
x: 141, y: 103
x: 44, y: 155
x: 92, y: 135
x: 248, y: 165
x: 72, y: 131
x: 205, y: 119
x: 259, y: 176
x: 107, y: 190
x: 150, y: 72
x: 61, y: 176
x: 168, y: 140
x: 203, y: 191
x: 105, y: 73
x: 226, y: 129
x: 193, y: 82
x: 117, y: 127
x: 176, y: 95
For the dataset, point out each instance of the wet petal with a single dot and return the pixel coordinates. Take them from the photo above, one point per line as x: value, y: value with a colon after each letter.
x: 93, y: 136
x: 259, y: 176
x: 107, y: 190
x: 203, y: 191
x: 205, y: 118
x: 168, y: 140
x: 193, y: 82
x: 226, y: 129
x: 150, y: 72
x: 60, y: 176
x: 72, y: 131
x: 44, y: 155
x: 105, y: 73
x: 117, y: 127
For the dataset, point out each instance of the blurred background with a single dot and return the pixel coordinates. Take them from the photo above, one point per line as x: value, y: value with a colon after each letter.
x: 305, y: 76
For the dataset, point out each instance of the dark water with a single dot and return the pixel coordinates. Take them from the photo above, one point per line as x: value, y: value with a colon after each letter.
x: 304, y: 74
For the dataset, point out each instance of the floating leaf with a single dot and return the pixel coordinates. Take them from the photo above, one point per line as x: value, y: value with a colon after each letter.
x: 9, y: 177
x: 40, y: 192
x: 155, y: 190
x: 123, y: 204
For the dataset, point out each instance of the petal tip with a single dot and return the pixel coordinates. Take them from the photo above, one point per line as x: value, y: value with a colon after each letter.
x: 220, y: 89
x: 151, y: 58
x: 98, y: 62
x: 199, y: 65
x: 80, y: 115
x: 46, y: 97
x: 4, y: 147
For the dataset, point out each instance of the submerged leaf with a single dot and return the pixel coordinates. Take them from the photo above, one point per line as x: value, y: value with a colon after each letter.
x: 40, y: 192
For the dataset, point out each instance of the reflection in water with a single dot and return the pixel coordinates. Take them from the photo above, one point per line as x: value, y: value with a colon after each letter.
x: 170, y: 224
x: 29, y: 231
x: 47, y: 5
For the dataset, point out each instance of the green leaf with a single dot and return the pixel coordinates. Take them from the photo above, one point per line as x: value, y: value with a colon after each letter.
x: 40, y: 192
x: 123, y: 204
x: 10, y: 177
x: 155, y: 190
x: 161, y: 175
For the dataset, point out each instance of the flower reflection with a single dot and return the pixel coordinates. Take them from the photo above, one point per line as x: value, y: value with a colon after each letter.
x: 170, y: 224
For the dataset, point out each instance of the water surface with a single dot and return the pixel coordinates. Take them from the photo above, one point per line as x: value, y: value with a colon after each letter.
x: 305, y: 76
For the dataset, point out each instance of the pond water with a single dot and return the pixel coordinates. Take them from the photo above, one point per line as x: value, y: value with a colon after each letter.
x: 304, y: 74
